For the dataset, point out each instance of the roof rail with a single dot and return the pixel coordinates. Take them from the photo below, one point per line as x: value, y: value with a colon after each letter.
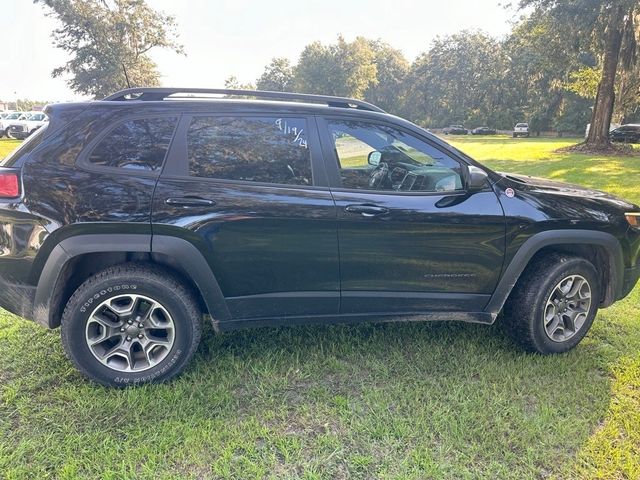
x: 151, y: 94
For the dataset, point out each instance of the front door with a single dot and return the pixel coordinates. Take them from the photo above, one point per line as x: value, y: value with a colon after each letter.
x: 250, y: 192
x: 411, y: 238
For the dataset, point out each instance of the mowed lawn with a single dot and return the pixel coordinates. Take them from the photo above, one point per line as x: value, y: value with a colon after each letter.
x: 406, y: 400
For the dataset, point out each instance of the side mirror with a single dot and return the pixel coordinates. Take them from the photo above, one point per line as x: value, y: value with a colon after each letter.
x: 477, y: 178
x: 374, y: 158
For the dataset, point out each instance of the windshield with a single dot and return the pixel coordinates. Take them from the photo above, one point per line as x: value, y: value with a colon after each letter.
x: 522, y: 125
x: 14, y: 116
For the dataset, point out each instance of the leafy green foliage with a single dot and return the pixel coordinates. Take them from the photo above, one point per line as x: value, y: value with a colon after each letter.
x: 277, y: 76
x: 584, y: 82
x: 391, y: 72
x: 345, y: 69
x: 233, y: 83
x: 606, y: 26
x: 460, y: 80
x: 468, y: 77
x: 109, y: 41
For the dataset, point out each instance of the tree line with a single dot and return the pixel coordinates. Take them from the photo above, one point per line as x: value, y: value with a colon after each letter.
x: 535, y: 74
x: 563, y: 65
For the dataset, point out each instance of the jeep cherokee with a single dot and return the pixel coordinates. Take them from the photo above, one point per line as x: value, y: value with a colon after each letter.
x: 126, y: 221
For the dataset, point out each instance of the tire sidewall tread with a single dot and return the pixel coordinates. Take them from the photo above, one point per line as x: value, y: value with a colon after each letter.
x: 524, y: 310
x: 141, y: 279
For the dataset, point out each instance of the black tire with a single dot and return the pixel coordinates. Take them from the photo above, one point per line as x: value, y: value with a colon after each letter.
x: 515, y: 135
x: 6, y: 133
x: 139, y: 280
x: 524, y: 311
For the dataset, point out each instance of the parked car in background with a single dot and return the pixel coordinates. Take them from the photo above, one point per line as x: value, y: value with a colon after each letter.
x: 612, y: 127
x: 8, y: 120
x: 127, y: 220
x: 21, y: 129
x: 521, y: 130
x: 629, y: 133
x: 483, y: 131
x: 4, y: 115
x: 455, y: 130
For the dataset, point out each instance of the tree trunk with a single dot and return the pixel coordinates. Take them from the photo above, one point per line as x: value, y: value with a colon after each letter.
x: 605, y: 98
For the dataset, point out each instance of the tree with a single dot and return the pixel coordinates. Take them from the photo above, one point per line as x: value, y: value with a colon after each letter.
x: 277, y: 76
x: 540, y: 63
x: 109, y: 41
x: 345, y: 69
x: 460, y: 79
x: 584, y: 82
x: 610, y: 27
x: 232, y: 83
x: 391, y: 72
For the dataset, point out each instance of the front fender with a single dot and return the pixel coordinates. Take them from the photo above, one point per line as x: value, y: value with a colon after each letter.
x: 557, y: 237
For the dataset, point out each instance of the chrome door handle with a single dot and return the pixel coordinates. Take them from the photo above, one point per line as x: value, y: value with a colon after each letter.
x: 367, y: 210
x: 189, y: 202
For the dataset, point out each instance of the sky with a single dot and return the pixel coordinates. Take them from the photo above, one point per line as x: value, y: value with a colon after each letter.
x: 239, y: 37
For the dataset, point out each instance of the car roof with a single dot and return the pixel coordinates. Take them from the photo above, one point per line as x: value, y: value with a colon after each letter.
x: 225, y: 104
x: 217, y: 105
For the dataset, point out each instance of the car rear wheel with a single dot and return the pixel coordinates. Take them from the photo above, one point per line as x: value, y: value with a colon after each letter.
x: 553, y: 305
x: 131, y: 324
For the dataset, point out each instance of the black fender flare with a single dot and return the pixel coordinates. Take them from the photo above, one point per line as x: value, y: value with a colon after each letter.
x: 195, y: 266
x: 557, y: 237
x: 183, y: 253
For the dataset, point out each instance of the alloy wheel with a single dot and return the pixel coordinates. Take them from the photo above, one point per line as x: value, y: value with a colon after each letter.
x: 567, y: 308
x: 130, y: 333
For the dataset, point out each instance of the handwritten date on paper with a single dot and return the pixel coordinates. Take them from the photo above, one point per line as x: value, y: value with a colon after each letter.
x: 287, y: 129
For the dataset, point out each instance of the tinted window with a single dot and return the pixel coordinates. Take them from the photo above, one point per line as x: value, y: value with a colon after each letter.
x: 378, y: 157
x: 24, y: 148
x: 255, y: 149
x: 138, y: 144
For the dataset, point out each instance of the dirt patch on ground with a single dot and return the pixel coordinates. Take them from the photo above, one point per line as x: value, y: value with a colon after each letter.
x: 611, y: 149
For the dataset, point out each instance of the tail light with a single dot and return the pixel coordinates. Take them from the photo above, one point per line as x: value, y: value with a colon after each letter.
x: 9, y: 184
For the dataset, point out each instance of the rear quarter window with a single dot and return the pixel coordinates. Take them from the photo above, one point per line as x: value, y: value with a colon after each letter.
x: 14, y: 159
x: 140, y: 144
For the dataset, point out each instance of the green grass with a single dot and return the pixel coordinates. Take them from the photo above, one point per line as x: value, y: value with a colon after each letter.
x: 7, y: 145
x: 410, y: 401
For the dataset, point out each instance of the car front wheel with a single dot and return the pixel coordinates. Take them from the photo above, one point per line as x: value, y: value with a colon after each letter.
x: 553, y: 305
x: 131, y: 324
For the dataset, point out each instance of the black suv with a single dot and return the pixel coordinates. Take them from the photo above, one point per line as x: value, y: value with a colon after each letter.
x: 626, y: 133
x: 125, y: 221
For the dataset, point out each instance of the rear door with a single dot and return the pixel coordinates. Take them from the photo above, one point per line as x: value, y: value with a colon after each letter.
x: 250, y: 192
x: 412, y: 239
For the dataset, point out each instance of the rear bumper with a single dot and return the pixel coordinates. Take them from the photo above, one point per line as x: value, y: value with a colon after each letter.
x: 18, y: 299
